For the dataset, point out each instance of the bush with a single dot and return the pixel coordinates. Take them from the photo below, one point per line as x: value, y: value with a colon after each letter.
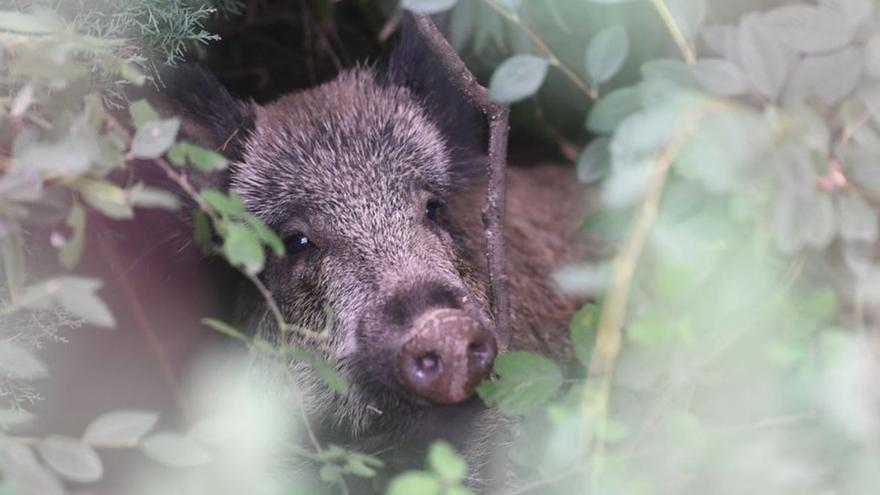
x: 733, y: 345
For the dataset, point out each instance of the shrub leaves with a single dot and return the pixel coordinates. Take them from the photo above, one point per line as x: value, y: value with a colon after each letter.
x: 526, y: 380
x: 124, y: 427
x: 607, y: 53
x: 517, y: 78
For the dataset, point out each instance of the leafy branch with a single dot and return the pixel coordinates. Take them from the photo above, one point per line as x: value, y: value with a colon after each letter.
x: 687, y: 51
x: 512, y: 16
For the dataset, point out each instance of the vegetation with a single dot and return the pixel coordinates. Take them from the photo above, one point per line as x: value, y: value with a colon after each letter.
x: 732, y: 346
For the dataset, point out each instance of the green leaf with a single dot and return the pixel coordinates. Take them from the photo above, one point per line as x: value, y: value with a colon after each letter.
x: 18, y: 362
x: 230, y: 205
x: 670, y: 70
x: 655, y: 330
x: 242, y: 248
x: 15, y: 417
x: 764, y: 60
x: 204, y: 159
x: 123, y: 427
x: 518, y: 78
x: 331, y: 376
x: 154, y: 138
x: 151, y: 197
x: 71, y: 251
x: 78, y: 295
x: 70, y: 156
x: 362, y: 465
x: 594, y: 161
x: 131, y: 73
x: 71, y: 458
x: 43, y: 21
x: 330, y: 473
x: 607, y: 53
x: 202, y: 232
x: 526, y: 380
x: 583, y: 279
x: 677, y: 282
x: 583, y: 328
x: 108, y: 157
x: 831, y: 77
x: 106, y: 197
x: 445, y: 461
x: 803, y: 219
x: 808, y: 28
x: 172, y: 449
x: 267, y: 236
x: 713, y: 152
x: 75, y: 294
x: 142, y: 112
x: 414, y: 482
x: 177, y: 154
x: 428, y: 6
x: 689, y: 15
x: 721, y: 40
x: 720, y: 77
x: 612, y: 109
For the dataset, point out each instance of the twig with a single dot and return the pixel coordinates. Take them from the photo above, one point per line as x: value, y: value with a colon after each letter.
x: 181, y: 181
x: 316, y: 444
x: 609, y: 336
x: 108, y: 445
x: 590, y: 92
x: 139, y: 314
x: 493, y: 217
x: 672, y: 25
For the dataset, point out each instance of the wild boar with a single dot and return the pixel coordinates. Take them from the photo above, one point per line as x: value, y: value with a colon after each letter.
x: 376, y: 181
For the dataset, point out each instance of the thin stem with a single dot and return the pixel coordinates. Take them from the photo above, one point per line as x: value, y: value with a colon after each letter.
x: 591, y: 92
x: 104, y: 445
x: 316, y: 337
x: 139, y: 314
x: 610, y: 332
x: 672, y: 25
x: 315, y: 443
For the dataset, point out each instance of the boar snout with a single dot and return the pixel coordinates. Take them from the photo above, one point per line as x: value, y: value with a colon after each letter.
x: 445, y: 355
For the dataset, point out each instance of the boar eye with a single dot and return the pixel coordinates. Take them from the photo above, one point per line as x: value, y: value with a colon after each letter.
x: 297, y: 243
x: 432, y: 208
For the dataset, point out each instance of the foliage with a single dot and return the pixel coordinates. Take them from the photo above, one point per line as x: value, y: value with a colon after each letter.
x: 446, y: 471
x: 733, y: 343
x: 736, y: 184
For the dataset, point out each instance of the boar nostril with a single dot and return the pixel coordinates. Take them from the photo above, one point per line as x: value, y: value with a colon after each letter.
x: 481, y: 354
x: 445, y: 355
x: 428, y: 364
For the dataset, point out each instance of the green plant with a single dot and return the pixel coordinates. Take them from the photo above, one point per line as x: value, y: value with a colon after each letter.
x: 733, y: 344
x: 736, y: 185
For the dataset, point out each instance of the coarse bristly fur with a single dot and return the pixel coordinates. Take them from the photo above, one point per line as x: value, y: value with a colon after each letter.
x: 351, y: 165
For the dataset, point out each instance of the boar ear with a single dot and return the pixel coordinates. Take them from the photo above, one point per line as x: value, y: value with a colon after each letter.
x: 210, y: 116
x: 414, y: 65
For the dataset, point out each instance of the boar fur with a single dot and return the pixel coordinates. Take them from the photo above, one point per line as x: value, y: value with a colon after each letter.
x: 351, y: 165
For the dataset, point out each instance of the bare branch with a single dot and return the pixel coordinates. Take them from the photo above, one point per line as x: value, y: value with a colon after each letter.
x: 493, y: 216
